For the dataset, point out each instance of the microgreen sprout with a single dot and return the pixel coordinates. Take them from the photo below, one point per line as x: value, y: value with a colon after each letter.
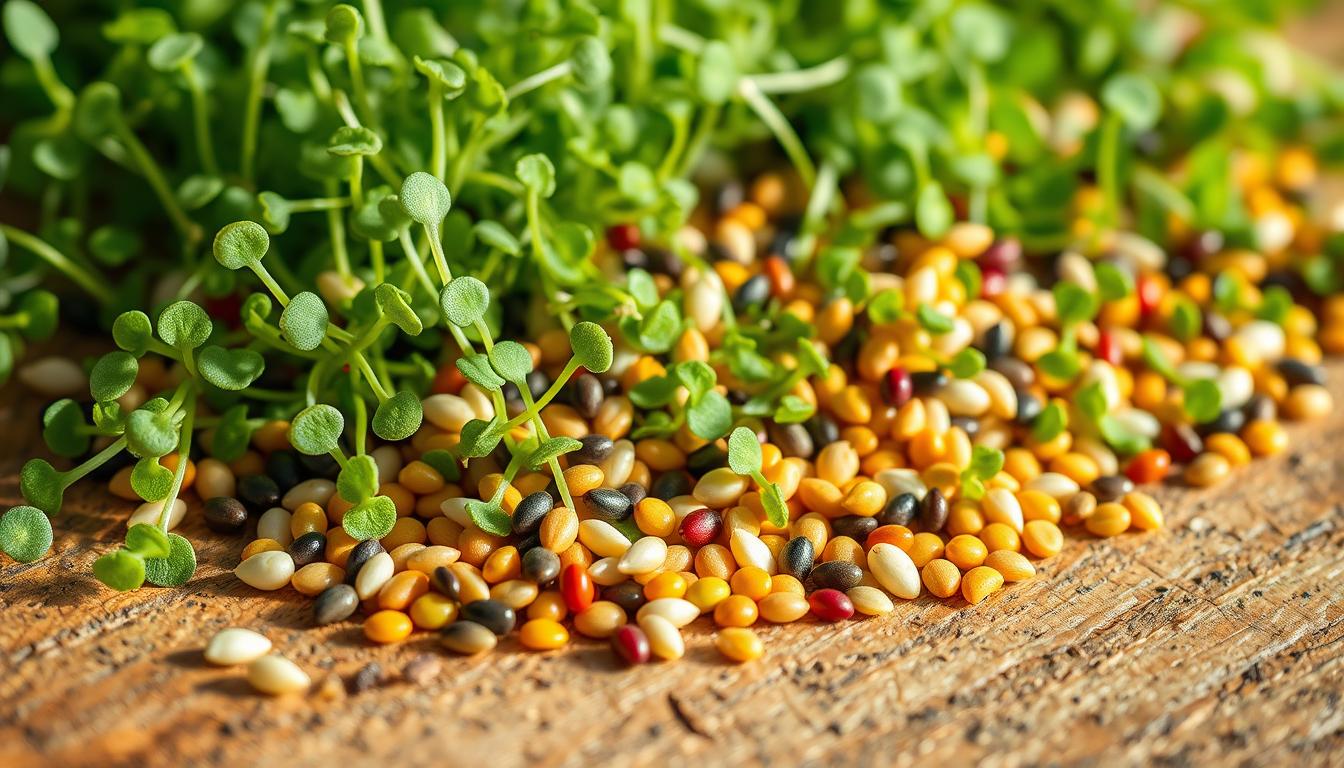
x: 744, y: 458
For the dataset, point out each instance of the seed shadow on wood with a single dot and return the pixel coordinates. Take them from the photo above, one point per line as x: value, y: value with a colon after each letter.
x: 232, y: 686
x: 190, y: 658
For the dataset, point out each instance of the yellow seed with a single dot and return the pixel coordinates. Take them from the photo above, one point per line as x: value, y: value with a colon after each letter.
x: 1012, y: 565
x: 783, y: 607
x: 1207, y: 469
x: 979, y: 583
x: 1109, y: 519
x: 965, y: 551
x: 543, y: 635
x: 1145, y: 513
x: 433, y: 611
x: 1230, y: 447
x: 941, y: 577
x: 739, y: 644
x: 1042, y: 538
x: 707, y: 592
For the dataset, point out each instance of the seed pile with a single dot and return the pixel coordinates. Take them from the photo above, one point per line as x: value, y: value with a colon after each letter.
x: 942, y: 451
x: 468, y: 321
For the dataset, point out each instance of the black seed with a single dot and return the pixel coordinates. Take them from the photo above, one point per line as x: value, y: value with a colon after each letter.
x: 634, y: 492
x: 855, y: 527
x: 671, y: 484
x: 527, y: 516
x: 928, y: 383
x: 792, y: 440
x: 900, y: 510
x: 528, y: 543
x: 836, y: 574
x: 705, y: 458
x: 968, y: 424
x: 823, y: 430
x: 225, y: 514
x: 665, y: 261
x: 540, y: 565
x: 360, y: 555
x: 628, y: 594
x: 933, y: 511
x: 608, y: 504
x: 753, y: 293
x: 1230, y: 420
x: 594, y: 448
x: 283, y: 468
x: 797, y: 557
x: 1111, y: 487
x: 336, y: 603
x: 1261, y: 408
x: 1028, y: 407
x: 308, y: 548
x: 1296, y: 372
x: 491, y: 614
x: 445, y: 582
x: 585, y: 392
x: 537, y: 383
x: 258, y: 492
x: 997, y: 341
x: 323, y: 466
x: 1018, y: 373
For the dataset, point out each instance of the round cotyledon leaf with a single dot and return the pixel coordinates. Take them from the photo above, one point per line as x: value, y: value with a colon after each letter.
x: 316, y: 429
x: 398, y: 417
x: 241, y: 244
x: 25, y: 533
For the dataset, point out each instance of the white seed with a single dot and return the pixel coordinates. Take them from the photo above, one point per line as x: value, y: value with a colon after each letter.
x: 337, y: 289
x: 1002, y: 396
x: 644, y: 556
x: 448, y: 412
x: 1001, y: 506
x: 455, y: 509
x: 277, y: 675
x: 274, y: 524
x: 1139, y: 421
x: 373, y: 575
x: 703, y: 301
x: 149, y: 513
x: 750, y: 550
x: 1100, y: 372
x: 389, y: 462
x: 606, y: 572
x: 1139, y: 253
x: 955, y: 340
x: 921, y: 287
x: 1198, y: 369
x: 964, y: 397
x: 480, y: 402
x: 870, y: 601
x: 901, y: 480
x: 1053, y: 484
x: 936, y: 416
x: 1274, y: 231
x: 54, y: 376
x: 1074, y: 267
x: 1236, y: 385
x: 618, y: 464
x: 665, y: 639
x: 603, y: 538
x: 236, y: 645
x: 894, y: 570
x: 1098, y: 452
x: 266, y: 570
x: 317, y: 490
x: 677, y: 611
x: 1263, y: 338
x: 720, y: 488
x: 214, y: 479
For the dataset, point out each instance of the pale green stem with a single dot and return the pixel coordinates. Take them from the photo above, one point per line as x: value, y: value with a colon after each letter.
x: 95, y: 284
x: 76, y: 474
x: 438, y: 156
x: 779, y: 125
x: 152, y: 173
x: 799, y: 80
x: 548, y: 75
x: 183, y: 457
x: 256, y: 86
x: 205, y: 146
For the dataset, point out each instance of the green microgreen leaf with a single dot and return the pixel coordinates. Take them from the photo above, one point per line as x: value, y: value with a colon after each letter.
x: 1113, y: 283
x: 176, y: 568
x: 241, y: 244
x: 1134, y: 98
x: 354, y: 141
x: 230, y: 369
x: 933, y: 321
x: 1074, y: 304
x: 358, y: 479
x: 113, y: 375
x: 316, y: 430
x: 537, y: 174
x: 464, y: 301
x: 425, y: 199
x: 150, y: 433
x: 150, y: 480
x: 147, y: 540
x: 172, y: 51
x: 477, y: 369
x: 133, y: 332
x: 511, y: 361
x: 444, y: 463
x: 232, y: 434
x: 886, y: 306
x: 591, y: 346
x: 793, y: 410
x: 121, y: 570
x: 372, y: 518
x: 396, y: 306
x: 398, y: 417
x: 1275, y: 304
x: 41, y: 485
x: 1203, y: 400
x: 553, y: 448
x: 304, y: 322
x: 1052, y: 420
x: 744, y: 451
x: 967, y: 363
x: 184, y: 325
x: 776, y: 509
x: 64, y: 429
x: 25, y: 533
x: 710, y: 417
x: 490, y: 518
x: 479, y: 437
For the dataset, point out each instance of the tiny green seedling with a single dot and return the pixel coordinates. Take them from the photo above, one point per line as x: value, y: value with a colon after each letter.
x: 744, y: 458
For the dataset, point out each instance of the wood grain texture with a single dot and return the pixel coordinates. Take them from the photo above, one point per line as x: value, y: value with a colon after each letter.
x: 1217, y: 640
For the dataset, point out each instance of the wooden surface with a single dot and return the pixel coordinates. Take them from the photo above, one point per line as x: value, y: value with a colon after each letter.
x: 1218, y: 640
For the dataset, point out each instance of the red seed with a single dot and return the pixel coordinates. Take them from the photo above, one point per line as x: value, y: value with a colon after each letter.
x: 1003, y: 255
x: 992, y: 282
x: 1149, y: 466
x: 623, y: 237
x: 701, y: 528
x: 831, y: 605
x: 576, y: 588
x: 1108, y: 348
x: 448, y: 380
x: 1182, y: 442
x: 1150, y: 294
x: 900, y: 387
x: 630, y: 644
